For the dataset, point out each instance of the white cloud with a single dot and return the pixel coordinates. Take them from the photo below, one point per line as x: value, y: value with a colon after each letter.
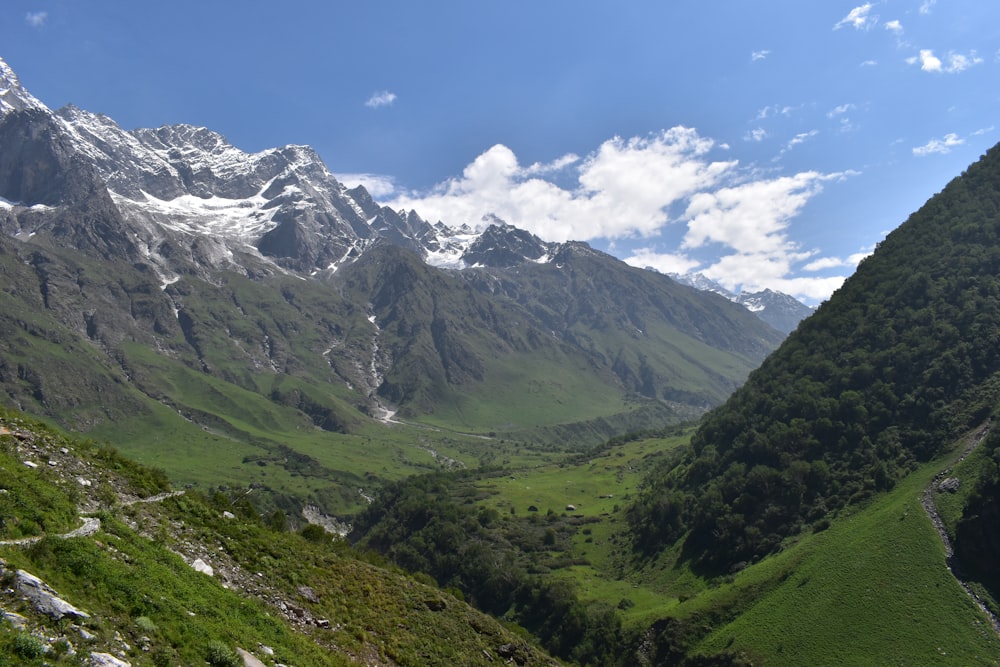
x: 860, y: 18
x: 824, y: 263
x: 800, y: 137
x: 928, y: 61
x: 959, y: 63
x: 869, y: 63
x: 840, y: 110
x: 894, y: 27
x: 756, y: 134
x: 634, y: 188
x: 624, y: 188
x: 36, y: 19
x: 943, y: 145
x: 953, y: 63
x: 759, y: 55
x: 647, y: 258
x: 377, y: 185
x: 552, y: 167
x: 381, y: 99
x: 771, y: 110
x: 925, y: 8
x: 750, y: 217
x: 851, y: 262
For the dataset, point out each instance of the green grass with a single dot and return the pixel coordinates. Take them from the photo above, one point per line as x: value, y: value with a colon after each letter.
x: 872, y: 589
x: 131, y: 580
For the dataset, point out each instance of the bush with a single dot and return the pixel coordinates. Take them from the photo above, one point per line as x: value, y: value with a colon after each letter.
x: 28, y: 646
x: 220, y: 655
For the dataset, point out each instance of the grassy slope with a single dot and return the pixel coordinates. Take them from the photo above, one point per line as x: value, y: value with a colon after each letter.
x: 132, y: 581
x: 871, y: 589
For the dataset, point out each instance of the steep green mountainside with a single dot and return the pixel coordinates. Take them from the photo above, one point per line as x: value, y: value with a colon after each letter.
x: 660, y: 338
x: 217, y: 373
x: 902, y: 358
x: 159, y: 577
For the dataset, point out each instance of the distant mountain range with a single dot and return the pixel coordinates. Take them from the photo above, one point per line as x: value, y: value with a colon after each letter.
x: 781, y: 311
x: 171, y: 242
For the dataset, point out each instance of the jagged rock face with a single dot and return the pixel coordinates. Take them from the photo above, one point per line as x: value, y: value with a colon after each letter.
x: 44, y: 599
x: 36, y: 164
x: 505, y: 246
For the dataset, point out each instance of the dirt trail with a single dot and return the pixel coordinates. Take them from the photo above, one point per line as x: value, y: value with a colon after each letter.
x: 927, y: 500
x: 91, y: 524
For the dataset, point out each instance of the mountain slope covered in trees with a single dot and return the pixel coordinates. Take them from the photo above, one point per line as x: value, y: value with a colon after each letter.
x: 902, y: 358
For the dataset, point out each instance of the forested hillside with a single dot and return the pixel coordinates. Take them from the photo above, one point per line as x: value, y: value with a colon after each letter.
x: 903, y: 356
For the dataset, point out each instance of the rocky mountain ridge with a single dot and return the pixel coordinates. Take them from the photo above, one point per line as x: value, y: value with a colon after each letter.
x: 781, y: 311
x: 282, y: 204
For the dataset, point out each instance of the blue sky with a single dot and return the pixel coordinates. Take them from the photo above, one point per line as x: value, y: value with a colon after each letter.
x: 765, y: 144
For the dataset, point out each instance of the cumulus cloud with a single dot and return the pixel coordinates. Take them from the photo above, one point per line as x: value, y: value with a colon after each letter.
x: 952, y: 64
x: 859, y: 18
x: 624, y: 188
x: 895, y: 27
x: 636, y: 188
x: 382, y: 98
x: 925, y: 7
x: 664, y: 262
x: 759, y: 55
x: 756, y: 134
x: 851, y: 262
x: 750, y: 217
x: 943, y: 145
x: 377, y: 185
x: 928, y: 61
x: 36, y: 19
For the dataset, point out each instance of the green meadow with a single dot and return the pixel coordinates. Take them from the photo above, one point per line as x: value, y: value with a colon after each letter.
x: 872, y: 589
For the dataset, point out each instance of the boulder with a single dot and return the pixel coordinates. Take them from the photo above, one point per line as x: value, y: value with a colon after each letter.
x: 107, y: 660
x: 201, y: 566
x: 950, y: 485
x: 44, y: 599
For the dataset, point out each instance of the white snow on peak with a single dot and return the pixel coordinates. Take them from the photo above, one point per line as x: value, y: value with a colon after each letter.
x: 453, y: 244
x: 239, y: 219
x: 13, y: 96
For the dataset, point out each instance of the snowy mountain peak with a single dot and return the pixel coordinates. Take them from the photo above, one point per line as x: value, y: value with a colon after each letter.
x: 13, y: 96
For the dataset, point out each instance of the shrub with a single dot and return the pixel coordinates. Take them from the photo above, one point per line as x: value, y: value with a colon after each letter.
x: 220, y: 655
x: 28, y: 646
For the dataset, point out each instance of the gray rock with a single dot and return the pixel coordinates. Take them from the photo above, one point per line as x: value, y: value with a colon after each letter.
x: 201, y: 566
x: 950, y: 485
x: 18, y: 621
x: 44, y: 599
x: 249, y: 659
x: 107, y: 660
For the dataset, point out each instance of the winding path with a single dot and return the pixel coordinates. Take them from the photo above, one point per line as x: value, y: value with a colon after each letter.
x: 927, y: 500
x: 91, y: 524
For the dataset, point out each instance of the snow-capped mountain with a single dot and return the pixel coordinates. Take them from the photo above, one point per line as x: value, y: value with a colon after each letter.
x: 781, y: 311
x: 191, y: 199
x: 174, y: 242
